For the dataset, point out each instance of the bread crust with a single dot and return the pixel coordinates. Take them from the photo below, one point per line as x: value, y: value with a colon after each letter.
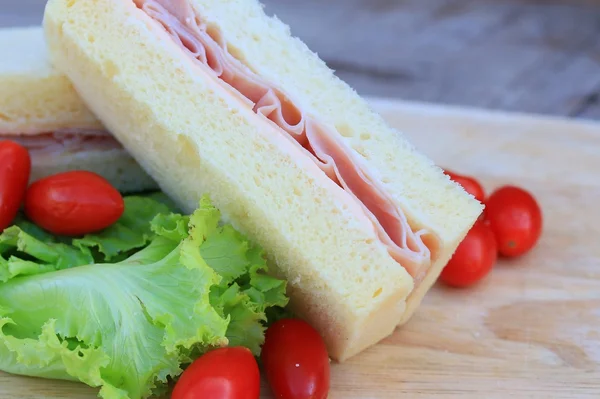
x: 35, y: 98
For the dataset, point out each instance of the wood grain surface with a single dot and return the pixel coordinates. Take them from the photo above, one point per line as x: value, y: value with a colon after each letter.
x: 538, y: 56
x: 532, y: 328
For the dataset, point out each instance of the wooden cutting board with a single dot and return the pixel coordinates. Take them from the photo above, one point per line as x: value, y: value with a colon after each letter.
x: 532, y: 328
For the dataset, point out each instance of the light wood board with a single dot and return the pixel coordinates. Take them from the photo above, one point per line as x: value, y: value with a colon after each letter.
x: 532, y: 328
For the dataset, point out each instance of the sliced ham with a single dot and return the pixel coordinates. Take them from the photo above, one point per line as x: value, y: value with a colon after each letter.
x: 65, y: 141
x: 323, y: 144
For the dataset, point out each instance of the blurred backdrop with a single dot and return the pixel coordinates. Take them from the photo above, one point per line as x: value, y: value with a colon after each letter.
x: 538, y: 56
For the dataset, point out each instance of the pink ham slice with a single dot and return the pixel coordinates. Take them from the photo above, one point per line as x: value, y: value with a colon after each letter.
x: 322, y: 144
x: 65, y: 141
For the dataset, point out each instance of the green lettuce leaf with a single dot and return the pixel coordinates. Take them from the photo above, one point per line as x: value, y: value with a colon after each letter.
x: 35, y: 231
x: 245, y: 292
x: 163, y: 198
x: 131, y: 232
x: 23, y: 254
x: 26, y: 249
x: 129, y: 326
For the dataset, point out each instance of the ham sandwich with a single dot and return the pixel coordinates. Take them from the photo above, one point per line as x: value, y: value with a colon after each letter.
x: 40, y: 110
x: 323, y: 145
x: 214, y: 96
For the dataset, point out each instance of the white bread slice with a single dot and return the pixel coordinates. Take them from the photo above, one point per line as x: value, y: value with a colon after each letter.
x: 36, y: 98
x: 194, y: 138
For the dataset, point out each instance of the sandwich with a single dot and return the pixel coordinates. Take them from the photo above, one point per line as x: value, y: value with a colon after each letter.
x: 40, y: 109
x: 214, y: 97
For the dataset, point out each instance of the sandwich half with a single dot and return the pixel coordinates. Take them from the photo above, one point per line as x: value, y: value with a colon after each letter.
x: 40, y: 109
x: 215, y: 97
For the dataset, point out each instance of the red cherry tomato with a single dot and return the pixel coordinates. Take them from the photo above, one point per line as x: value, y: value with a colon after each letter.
x: 15, y: 169
x: 473, y: 259
x: 73, y: 203
x: 516, y: 220
x: 295, y: 360
x: 470, y: 185
x: 226, y: 373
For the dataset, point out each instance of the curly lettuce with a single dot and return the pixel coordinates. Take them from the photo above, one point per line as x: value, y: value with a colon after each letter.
x: 188, y: 284
x: 26, y: 249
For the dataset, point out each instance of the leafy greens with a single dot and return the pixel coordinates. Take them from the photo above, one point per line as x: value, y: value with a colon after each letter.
x: 175, y: 286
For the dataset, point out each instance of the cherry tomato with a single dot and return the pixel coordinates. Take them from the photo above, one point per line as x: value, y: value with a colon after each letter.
x: 470, y: 185
x: 15, y: 169
x: 295, y: 360
x: 516, y: 220
x: 225, y: 373
x: 73, y: 203
x: 473, y: 259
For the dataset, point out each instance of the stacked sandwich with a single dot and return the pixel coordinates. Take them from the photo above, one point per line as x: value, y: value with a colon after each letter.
x: 215, y: 98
